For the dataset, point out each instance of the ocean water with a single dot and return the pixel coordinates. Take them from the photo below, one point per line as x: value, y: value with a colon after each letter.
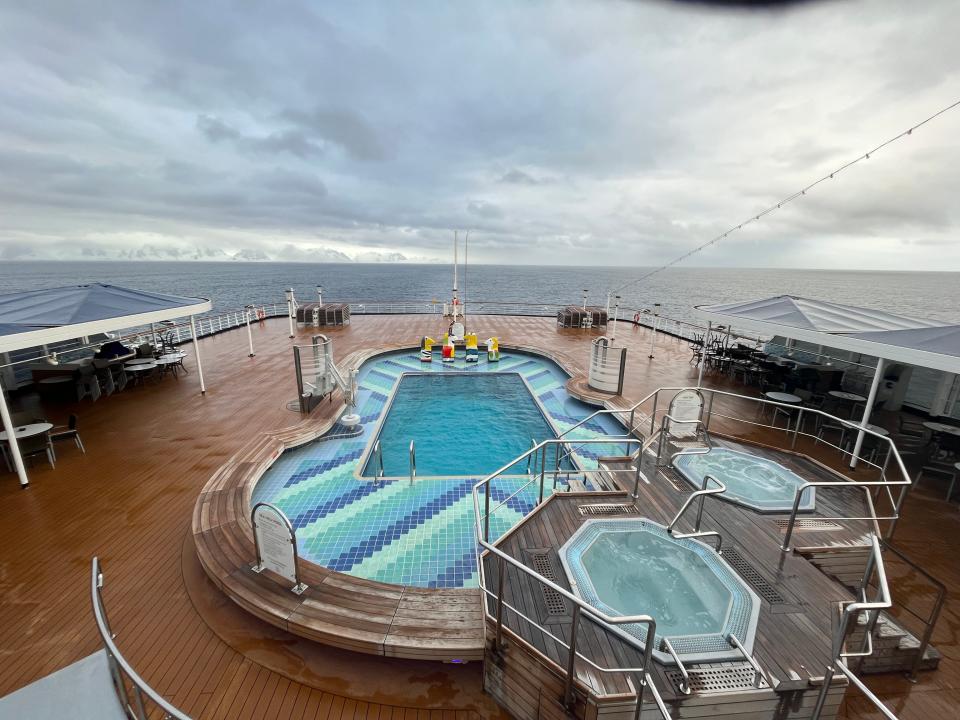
x: 234, y: 284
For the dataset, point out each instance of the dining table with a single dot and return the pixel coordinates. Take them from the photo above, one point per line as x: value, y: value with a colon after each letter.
x: 20, y: 432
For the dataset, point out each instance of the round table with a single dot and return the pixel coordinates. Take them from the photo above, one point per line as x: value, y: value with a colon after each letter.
x: 877, y: 429
x: 138, y: 361
x: 942, y: 428
x: 25, y: 431
x: 783, y: 397
x: 849, y: 396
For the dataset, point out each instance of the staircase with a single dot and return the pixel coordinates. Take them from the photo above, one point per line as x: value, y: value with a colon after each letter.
x: 894, y: 647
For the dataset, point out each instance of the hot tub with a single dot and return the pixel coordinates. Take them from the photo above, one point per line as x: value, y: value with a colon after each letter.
x: 752, y: 481
x: 634, y: 567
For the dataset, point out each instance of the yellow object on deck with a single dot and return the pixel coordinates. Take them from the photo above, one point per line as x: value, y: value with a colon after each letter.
x: 493, y: 349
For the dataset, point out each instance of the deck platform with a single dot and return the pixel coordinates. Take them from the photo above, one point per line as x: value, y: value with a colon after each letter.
x: 152, y: 448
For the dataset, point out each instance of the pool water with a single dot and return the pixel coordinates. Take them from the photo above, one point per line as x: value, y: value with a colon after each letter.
x: 460, y: 424
x: 752, y: 481
x: 635, y: 567
x: 638, y: 572
x: 422, y: 534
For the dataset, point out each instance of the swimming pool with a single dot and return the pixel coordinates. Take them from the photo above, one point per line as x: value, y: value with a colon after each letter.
x: 634, y: 567
x: 422, y: 534
x: 752, y: 481
x: 450, y: 416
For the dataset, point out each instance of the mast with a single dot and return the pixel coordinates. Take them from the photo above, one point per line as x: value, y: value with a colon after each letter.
x: 455, y: 299
x: 466, y: 240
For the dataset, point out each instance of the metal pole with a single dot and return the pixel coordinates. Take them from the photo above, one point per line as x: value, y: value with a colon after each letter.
x: 246, y: 316
x: 196, y: 352
x: 653, y: 327
x: 12, y: 439
x: 290, y: 311
x: 703, y: 354
x: 871, y: 399
x: 585, y: 299
x: 616, y: 310
x: 500, y: 582
x: 320, y: 294
x: 572, y: 658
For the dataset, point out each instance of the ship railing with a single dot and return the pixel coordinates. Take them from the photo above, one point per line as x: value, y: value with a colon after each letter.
x: 138, y: 699
x: 639, y: 677
x: 838, y: 654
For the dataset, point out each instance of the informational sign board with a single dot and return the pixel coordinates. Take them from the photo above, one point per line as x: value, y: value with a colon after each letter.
x: 687, y: 405
x: 276, y: 544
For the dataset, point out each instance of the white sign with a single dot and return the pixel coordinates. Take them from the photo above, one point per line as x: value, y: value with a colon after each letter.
x: 686, y: 405
x: 275, y: 543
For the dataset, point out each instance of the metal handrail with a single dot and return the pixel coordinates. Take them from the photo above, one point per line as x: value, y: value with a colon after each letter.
x: 698, y: 496
x: 758, y: 673
x: 119, y: 667
x: 482, y: 523
x: 931, y: 620
x: 378, y: 453
x: 666, y: 645
x: 413, y: 462
x: 874, y: 564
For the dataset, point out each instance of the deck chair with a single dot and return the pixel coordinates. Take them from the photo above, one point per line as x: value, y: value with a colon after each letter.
x: 68, y: 432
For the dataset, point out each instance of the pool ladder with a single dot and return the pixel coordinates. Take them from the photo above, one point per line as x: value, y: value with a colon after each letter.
x: 378, y: 454
x: 413, y: 462
x: 699, y: 496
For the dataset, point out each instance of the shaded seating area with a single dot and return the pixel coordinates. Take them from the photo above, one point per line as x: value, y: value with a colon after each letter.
x: 574, y: 316
x: 323, y: 314
x: 79, y: 319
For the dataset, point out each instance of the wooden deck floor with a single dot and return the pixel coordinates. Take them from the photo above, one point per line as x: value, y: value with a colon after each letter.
x: 129, y: 500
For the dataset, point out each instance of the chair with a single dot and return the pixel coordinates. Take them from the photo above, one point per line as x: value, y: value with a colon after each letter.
x: 952, y: 471
x: 145, y: 350
x: 37, y: 445
x: 87, y: 384
x: 68, y: 432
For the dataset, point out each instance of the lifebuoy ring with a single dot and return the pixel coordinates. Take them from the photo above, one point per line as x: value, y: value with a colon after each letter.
x: 636, y: 318
x: 261, y: 315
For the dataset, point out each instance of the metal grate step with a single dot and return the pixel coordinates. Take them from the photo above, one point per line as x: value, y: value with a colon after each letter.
x: 728, y: 677
x: 753, y: 577
x: 553, y: 600
x: 610, y: 509
x: 808, y: 524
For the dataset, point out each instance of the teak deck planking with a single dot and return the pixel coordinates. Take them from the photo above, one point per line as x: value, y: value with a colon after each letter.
x: 151, y: 449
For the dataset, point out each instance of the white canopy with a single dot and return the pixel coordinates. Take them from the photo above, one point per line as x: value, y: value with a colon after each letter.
x: 898, y: 338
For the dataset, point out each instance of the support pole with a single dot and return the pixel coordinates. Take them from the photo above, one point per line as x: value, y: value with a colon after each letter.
x: 246, y: 316
x: 653, y: 327
x: 585, y: 291
x: 703, y: 354
x: 290, y: 312
x: 616, y: 311
x: 12, y: 439
x: 868, y: 408
x: 320, y: 294
x: 196, y: 352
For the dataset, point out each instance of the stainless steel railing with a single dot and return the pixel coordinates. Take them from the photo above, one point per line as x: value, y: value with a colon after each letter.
x: 125, y: 679
x: 413, y: 462
x: 608, y: 623
x: 698, y: 497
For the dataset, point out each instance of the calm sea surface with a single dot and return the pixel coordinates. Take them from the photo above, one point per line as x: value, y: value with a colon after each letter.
x: 232, y: 284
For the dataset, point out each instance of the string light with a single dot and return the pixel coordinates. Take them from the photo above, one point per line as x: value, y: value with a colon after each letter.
x: 788, y: 199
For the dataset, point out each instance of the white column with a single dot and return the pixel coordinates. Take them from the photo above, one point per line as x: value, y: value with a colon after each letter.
x: 585, y: 299
x: 290, y: 312
x: 653, y: 327
x: 320, y: 294
x: 246, y: 316
x: 616, y: 311
x: 703, y: 353
x: 12, y: 439
x: 196, y: 352
x: 871, y: 399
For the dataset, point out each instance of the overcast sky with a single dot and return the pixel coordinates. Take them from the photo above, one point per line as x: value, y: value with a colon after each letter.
x: 601, y: 132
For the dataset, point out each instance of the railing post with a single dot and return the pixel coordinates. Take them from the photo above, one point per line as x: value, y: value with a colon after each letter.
x: 486, y: 511
x: 543, y: 471
x: 413, y: 463
x: 501, y: 578
x: 571, y: 658
x: 653, y: 415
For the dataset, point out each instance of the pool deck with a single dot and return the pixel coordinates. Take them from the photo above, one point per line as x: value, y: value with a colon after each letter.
x: 798, y: 601
x: 152, y: 448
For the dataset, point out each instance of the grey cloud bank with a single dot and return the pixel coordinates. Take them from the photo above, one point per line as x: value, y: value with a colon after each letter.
x: 596, y: 132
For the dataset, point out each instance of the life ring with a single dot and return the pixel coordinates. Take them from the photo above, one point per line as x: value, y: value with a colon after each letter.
x: 261, y: 315
x: 636, y: 318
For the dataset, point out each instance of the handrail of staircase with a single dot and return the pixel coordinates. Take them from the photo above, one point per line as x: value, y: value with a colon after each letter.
x: 758, y: 673
x: 667, y: 646
x: 119, y: 667
x: 699, y: 496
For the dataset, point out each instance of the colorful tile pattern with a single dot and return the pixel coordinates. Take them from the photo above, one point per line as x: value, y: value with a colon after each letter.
x: 419, y: 534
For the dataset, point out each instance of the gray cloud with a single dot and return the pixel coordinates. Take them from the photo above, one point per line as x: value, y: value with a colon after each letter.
x: 624, y: 133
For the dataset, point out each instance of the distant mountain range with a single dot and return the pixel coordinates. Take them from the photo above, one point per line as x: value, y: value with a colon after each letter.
x: 148, y: 252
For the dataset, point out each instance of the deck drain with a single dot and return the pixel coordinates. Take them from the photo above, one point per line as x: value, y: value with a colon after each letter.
x: 606, y: 509
x: 809, y: 524
x: 554, y: 600
x: 749, y: 573
x: 678, y: 484
x: 718, y: 678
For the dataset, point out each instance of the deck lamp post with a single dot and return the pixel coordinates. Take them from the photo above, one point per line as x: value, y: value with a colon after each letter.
x: 290, y: 311
x: 246, y: 316
x: 616, y: 310
x: 703, y: 354
x: 585, y: 298
x: 653, y: 327
x: 196, y: 352
x: 320, y: 294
